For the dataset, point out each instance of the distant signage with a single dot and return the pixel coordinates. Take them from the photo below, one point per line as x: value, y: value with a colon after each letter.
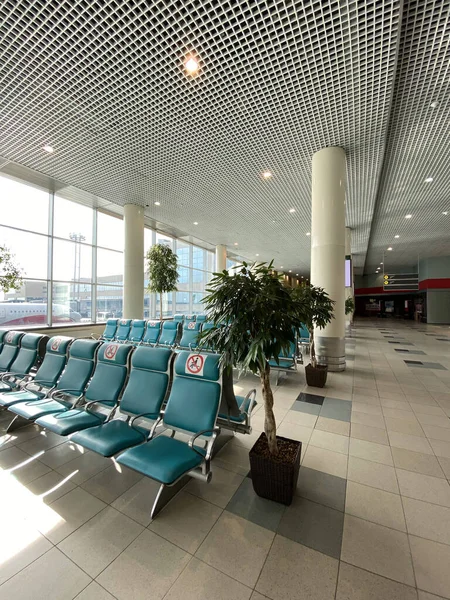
x: 396, y: 282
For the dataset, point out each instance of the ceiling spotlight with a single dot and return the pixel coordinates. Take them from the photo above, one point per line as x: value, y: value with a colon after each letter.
x: 257, y: 255
x: 434, y: 104
x: 281, y: 267
x: 236, y: 244
x: 428, y: 180
x: 48, y: 148
x: 389, y: 248
x: 191, y: 65
x: 309, y: 233
x: 408, y: 216
x: 290, y: 270
x: 381, y: 263
x: 267, y: 174
x: 292, y: 210
x: 157, y: 203
x: 195, y: 223
x: 445, y: 212
x: 396, y: 236
x: 296, y: 274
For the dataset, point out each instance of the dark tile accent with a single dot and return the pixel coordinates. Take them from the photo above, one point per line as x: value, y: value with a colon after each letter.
x: 311, y: 409
x: 322, y: 488
x: 313, y: 525
x: 246, y: 504
x: 431, y: 365
x: 443, y: 339
x: 333, y: 408
x: 401, y: 350
x: 310, y: 398
x: 413, y: 362
x: 402, y: 343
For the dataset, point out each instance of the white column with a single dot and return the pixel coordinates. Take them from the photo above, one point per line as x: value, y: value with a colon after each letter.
x: 328, y: 249
x: 133, y: 275
x: 221, y: 258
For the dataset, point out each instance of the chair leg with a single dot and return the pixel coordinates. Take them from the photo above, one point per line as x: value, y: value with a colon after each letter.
x: 17, y: 423
x: 165, y: 494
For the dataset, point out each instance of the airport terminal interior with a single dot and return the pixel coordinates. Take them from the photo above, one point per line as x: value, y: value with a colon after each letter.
x: 225, y: 300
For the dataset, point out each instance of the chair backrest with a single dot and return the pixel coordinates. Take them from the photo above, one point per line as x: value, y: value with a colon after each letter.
x: 79, y: 367
x: 148, y: 381
x: 123, y: 330
x: 110, y: 373
x: 178, y: 318
x: 207, y: 326
x: 3, y: 332
x: 189, y: 338
x: 194, y: 399
x: 228, y: 403
x: 152, y: 332
x: 304, y: 333
x: 54, y: 361
x: 110, y: 330
x: 137, y: 331
x: 169, y: 333
x: 11, y: 343
x: 189, y: 318
x: 201, y: 318
x: 28, y: 354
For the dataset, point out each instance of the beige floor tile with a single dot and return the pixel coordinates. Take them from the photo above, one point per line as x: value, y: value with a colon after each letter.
x: 371, y: 451
x: 111, y: 483
x: 368, y: 409
x: 137, y: 501
x: 426, y: 409
x: 427, y: 520
x: 94, y: 591
x: 84, y: 467
x: 374, y: 505
x: 257, y: 596
x: 409, y: 442
x: 445, y: 465
x: 427, y: 596
x: 199, y: 581
x: 437, y: 433
x: 300, y: 418
x: 356, y: 584
x: 295, y: 432
x: 370, y: 434
x: 367, y: 419
x: 329, y: 441
x: 146, y: 569
x: 220, y: 490
x: 424, y: 487
x: 431, y: 561
x: 367, y: 390
x: 43, y: 441
x: 236, y: 547
x: 436, y: 420
x: 377, y: 549
x: 99, y: 541
x: 395, y: 404
x: 333, y: 426
x: 52, y: 576
x: 372, y: 474
x: 441, y: 448
x: 57, y: 456
x: 50, y: 486
x: 416, y: 462
x: 402, y: 426
x: 401, y: 414
x: 327, y: 461
x: 234, y: 458
x: 295, y: 571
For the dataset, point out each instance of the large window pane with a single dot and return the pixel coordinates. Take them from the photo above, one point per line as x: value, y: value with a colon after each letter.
x: 23, y: 206
x: 72, y: 261
x: 198, y: 258
x: 182, y: 303
x: 183, y: 252
x: 109, y: 266
x: 27, y: 306
x: 110, y: 233
x: 72, y: 221
x: 164, y: 239
x: 167, y: 305
x: 30, y: 251
x: 210, y: 262
x: 109, y: 302
x: 71, y: 302
x: 197, y: 303
x: 148, y: 239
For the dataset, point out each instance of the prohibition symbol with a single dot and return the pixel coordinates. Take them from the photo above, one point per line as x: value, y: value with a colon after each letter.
x: 56, y: 343
x: 191, y: 325
x: 111, y: 351
x: 195, y: 364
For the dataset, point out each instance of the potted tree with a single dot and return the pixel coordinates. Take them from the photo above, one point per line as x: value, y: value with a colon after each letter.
x: 317, y: 308
x: 349, y: 307
x: 10, y: 274
x: 162, y: 271
x: 255, y: 318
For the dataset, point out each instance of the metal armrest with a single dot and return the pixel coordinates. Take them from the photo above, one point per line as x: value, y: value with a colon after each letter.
x: 133, y: 419
x: 52, y: 395
x: 214, y: 432
x: 88, y: 405
x: 250, y: 404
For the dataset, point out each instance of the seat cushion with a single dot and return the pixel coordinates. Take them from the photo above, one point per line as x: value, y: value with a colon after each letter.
x: 164, y: 459
x: 38, y: 408
x: 70, y: 421
x: 284, y: 363
x: 110, y: 438
x: 5, y: 388
x: 8, y: 399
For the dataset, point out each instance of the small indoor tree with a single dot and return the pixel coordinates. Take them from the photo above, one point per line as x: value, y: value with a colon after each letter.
x: 162, y: 271
x: 256, y: 318
x: 10, y: 273
x: 349, y: 306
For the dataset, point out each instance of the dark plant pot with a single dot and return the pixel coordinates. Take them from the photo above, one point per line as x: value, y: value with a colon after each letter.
x: 316, y: 376
x: 275, y: 478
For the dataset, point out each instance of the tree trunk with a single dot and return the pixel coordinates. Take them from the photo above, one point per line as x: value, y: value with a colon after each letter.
x: 270, y: 427
x: 160, y: 306
x: 312, y: 350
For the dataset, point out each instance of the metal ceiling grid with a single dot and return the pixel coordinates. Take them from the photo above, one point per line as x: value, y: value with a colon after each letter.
x: 103, y: 82
x: 419, y: 144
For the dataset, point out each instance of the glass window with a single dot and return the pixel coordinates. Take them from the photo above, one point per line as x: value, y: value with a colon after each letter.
x: 210, y: 262
x: 183, y: 303
x: 199, y: 277
x: 167, y: 305
x: 72, y: 221
x: 183, y: 276
x: 197, y: 303
x: 27, y: 306
x: 23, y: 205
x: 164, y: 239
x: 110, y: 233
x: 148, y: 239
x: 71, y: 302
x: 109, y: 266
x: 30, y: 251
x: 183, y: 251
x: 198, y: 258
x: 72, y: 261
x: 109, y: 302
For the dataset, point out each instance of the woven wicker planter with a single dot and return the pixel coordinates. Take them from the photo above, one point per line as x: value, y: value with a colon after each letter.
x: 316, y: 376
x: 272, y: 479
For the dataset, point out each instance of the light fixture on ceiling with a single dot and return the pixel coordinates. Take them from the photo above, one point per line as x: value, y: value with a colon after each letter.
x: 267, y: 174
x: 236, y: 244
x: 434, y: 104
x: 390, y: 248
x: 302, y: 276
x: 396, y: 236
x: 308, y: 233
x: 257, y: 255
x: 157, y: 203
x: 445, y: 212
x: 195, y: 223
x: 290, y: 270
x: 428, y: 180
x: 381, y: 263
x: 191, y: 65
x: 408, y: 216
x: 296, y: 274
x: 281, y: 267
x: 48, y: 148
x: 292, y: 210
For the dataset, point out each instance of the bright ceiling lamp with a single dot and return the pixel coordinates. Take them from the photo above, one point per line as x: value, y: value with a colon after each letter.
x: 396, y: 237
x: 428, y: 180
x: 267, y: 174
x: 389, y: 248
x: 191, y: 65
x: 309, y: 233
x: 48, y: 148
x: 157, y: 203
x: 408, y: 216
x: 292, y: 210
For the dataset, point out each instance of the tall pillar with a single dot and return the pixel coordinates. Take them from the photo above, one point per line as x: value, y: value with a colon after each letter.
x: 133, y: 274
x: 328, y: 249
x: 221, y: 258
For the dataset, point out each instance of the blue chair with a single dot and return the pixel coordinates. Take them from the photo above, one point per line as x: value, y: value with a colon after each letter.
x: 10, y: 350
x: 143, y: 397
x: 201, y: 318
x: 189, y: 318
x: 286, y: 361
x: 178, y: 318
x: 304, y: 339
x: 70, y: 387
x: 109, y: 331
x: 235, y: 411
x: 26, y: 359
x: 169, y: 333
x: 46, y: 377
x: 3, y: 333
x: 191, y: 409
x: 207, y: 326
x: 152, y: 333
x: 137, y: 331
x: 191, y: 330
x: 102, y: 393
x: 123, y: 331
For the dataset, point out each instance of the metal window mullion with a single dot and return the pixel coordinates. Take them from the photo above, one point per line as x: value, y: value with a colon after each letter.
x: 51, y: 214
x: 94, y: 268
x: 153, y: 294
x: 191, y: 278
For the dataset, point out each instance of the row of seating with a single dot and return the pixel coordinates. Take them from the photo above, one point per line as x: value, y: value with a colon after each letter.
x: 20, y: 354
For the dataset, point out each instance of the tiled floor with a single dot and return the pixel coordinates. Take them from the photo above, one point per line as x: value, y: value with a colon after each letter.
x: 370, y: 519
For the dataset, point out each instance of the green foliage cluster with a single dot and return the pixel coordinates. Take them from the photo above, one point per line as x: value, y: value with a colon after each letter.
x: 10, y: 274
x: 349, y: 306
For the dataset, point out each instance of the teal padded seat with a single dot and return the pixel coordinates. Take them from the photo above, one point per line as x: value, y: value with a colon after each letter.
x: 189, y: 339
x: 304, y: 334
x: 3, y: 333
x: 137, y: 331
x: 189, y: 318
x: 178, y: 318
x: 10, y: 350
x: 70, y: 386
x: 152, y: 333
x: 235, y: 410
x: 201, y: 318
x: 191, y: 409
x: 286, y: 360
x: 110, y: 330
x: 103, y: 391
x: 207, y: 326
x: 26, y: 359
x: 46, y: 377
x: 123, y: 330
x: 169, y: 333
x: 143, y: 396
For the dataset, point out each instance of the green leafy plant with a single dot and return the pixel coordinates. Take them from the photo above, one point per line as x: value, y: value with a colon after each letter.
x: 349, y: 306
x: 162, y: 271
x: 317, y: 308
x: 10, y: 273
x: 255, y: 318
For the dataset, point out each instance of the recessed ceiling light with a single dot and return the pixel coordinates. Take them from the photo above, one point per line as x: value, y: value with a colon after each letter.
x: 381, y: 263
x: 257, y: 255
x: 445, y: 212
x: 309, y: 233
x: 408, y: 216
x: 389, y: 248
x: 396, y: 236
x: 191, y: 65
x: 290, y: 270
x: 292, y: 210
x: 302, y: 276
x: 267, y: 174
x: 236, y: 244
x: 434, y: 104
x: 48, y: 148
x: 195, y: 223
x: 157, y: 203
x: 281, y: 267
x: 428, y: 180
x: 296, y: 274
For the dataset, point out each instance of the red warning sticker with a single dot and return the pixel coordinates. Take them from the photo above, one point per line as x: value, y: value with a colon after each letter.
x: 9, y: 337
x: 195, y: 364
x: 111, y: 351
x: 191, y: 325
x: 56, y: 343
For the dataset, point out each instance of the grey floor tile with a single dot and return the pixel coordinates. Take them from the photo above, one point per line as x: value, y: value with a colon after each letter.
x: 322, y: 488
x: 313, y: 525
x: 427, y: 520
x: 111, y: 483
x: 94, y: 591
x: 311, y: 409
x: 334, y: 408
x: 431, y: 561
x: 84, y: 467
x: 357, y: 584
x: 247, y: 504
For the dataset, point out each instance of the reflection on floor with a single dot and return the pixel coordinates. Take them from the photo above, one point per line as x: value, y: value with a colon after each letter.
x: 371, y: 517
